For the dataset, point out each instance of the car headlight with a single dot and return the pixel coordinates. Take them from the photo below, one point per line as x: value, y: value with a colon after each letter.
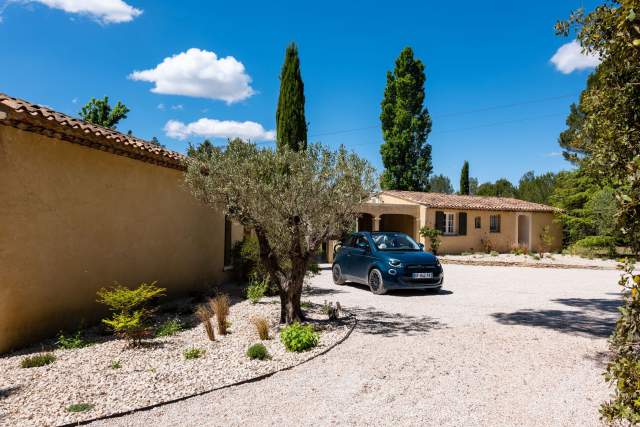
x: 395, y: 263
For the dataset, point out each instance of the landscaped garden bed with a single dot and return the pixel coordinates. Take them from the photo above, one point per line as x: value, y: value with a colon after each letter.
x: 108, y: 375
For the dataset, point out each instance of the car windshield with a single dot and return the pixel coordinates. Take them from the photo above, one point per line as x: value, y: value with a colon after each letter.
x: 394, y: 242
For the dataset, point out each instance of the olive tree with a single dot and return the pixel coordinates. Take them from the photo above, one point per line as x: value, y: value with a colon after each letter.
x: 292, y: 201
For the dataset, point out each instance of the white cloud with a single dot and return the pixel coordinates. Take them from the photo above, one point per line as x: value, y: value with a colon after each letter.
x: 199, y: 73
x: 161, y: 107
x: 569, y: 58
x: 103, y: 11
x: 177, y: 107
x: 212, y: 128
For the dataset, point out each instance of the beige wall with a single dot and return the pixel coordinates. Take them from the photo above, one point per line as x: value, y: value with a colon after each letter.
x: 502, y: 241
x: 74, y: 219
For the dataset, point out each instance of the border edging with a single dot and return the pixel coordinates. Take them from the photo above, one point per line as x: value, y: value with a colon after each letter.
x: 201, y: 393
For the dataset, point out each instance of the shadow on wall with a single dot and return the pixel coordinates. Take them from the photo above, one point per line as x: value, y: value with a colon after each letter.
x: 393, y: 324
x: 590, y: 317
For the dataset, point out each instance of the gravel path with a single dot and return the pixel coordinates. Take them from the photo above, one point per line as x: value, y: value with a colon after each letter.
x: 501, y: 346
x: 549, y: 260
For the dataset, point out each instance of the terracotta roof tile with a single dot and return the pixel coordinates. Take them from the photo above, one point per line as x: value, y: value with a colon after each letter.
x: 41, y: 119
x: 454, y: 201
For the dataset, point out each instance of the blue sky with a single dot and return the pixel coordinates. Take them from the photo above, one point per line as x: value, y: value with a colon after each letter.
x: 495, y: 97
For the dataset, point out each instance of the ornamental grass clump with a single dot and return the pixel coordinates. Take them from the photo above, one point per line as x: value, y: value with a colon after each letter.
x: 298, y: 337
x: 130, y: 309
x: 258, y: 351
x: 204, y: 314
x: 38, y: 360
x: 262, y: 327
x: 220, y: 307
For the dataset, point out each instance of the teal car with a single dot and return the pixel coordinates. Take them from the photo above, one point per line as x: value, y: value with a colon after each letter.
x: 386, y: 261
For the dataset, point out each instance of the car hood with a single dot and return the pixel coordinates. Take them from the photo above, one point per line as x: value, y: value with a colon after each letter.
x: 411, y: 257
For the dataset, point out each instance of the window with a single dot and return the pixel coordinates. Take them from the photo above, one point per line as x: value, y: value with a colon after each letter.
x: 362, y: 243
x: 494, y: 223
x: 227, y: 242
x: 449, y: 223
x: 478, y: 222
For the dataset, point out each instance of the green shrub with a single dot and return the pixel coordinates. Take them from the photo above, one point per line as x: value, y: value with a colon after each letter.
x: 306, y: 305
x: 593, y: 245
x: 494, y: 253
x: 257, y: 351
x: 71, y: 343
x: 115, y: 364
x: 130, y: 309
x: 38, y: 360
x: 314, y: 268
x: 257, y: 289
x: 169, y: 328
x: 434, y: 237
x: 193, y: 353
x: 519, y: 250
x: 297, y: 337
x: 79, y: 407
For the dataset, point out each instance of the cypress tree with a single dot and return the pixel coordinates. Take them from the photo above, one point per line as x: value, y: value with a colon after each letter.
x: 291, y: 125
x: 464, y: 178
x: 406, y: 155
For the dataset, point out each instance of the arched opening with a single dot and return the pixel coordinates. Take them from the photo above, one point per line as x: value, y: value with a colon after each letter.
x: 398, y: 222
x: 365, y: 222
x: 524, y: 230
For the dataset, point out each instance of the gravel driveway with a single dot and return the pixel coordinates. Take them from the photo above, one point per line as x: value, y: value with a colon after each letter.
x: 501, y: 346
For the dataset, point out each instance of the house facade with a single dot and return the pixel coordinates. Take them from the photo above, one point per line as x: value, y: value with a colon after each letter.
x: 83, y: 207
x: 467, y: 223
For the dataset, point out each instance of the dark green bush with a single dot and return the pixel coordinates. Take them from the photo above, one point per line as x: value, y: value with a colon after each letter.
x: 257, y: 351
x: 71, y: 343
x: 38, y: 360
x: 593, y: 245
x: 297, y: 337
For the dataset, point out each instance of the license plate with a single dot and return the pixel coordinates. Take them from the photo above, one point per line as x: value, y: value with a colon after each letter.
x: 422, y: 275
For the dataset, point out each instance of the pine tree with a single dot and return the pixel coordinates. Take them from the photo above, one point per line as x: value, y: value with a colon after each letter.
x: 100, y: 112
x: 291, y: 125
x: 406, y: 123
x: 464, y: 179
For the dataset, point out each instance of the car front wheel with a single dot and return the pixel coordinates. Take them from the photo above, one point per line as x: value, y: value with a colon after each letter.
x: 337, y: 274
x: 376, y: 284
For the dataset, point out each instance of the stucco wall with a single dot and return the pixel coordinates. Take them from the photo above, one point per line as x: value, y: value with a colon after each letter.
x: 74, y: 219
x: 502, y: 241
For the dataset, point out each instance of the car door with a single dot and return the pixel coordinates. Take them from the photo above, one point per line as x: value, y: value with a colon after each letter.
x: 360, y: 259
x: 345, y: 256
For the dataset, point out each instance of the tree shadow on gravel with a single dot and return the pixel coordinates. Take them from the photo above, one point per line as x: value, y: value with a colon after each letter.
x: 376, y: 322
x: 8, y: 391
x: 595, y: 317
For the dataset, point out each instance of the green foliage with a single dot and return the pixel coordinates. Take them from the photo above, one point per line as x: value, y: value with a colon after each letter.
x: 501, y: 188
x: 38, y: 360
x: 203, y: 150
x: 257, y: 289
x: 473, y: 186
x: 169, y: 328
x: 464, y: 179
x: 494, y: 253
x: 594, y: 245
x: 291, y: 124
x: 99, y: 112
x: 433, y: 235
x: 193, y: 353
x: 293, y: 202
x: 298, y: 337
x: 406, y: 123
x: 80, y: 407
x: 623, y: 370
x: 440, y: 184
x: 331, y: 311
x: 129, y: 307
x: 115, y: 364
x: 72, y: 342
x: 537, y: 189
x: 258, y: 351
x: 546, y: 239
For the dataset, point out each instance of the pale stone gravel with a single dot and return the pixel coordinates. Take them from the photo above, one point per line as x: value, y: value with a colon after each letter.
x: 149, y: 375
x: 548, y: 260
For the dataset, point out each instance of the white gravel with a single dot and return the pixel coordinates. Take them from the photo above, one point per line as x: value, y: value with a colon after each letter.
x: 500, y: 346
x: 550, y: 260
x: 149, y: 375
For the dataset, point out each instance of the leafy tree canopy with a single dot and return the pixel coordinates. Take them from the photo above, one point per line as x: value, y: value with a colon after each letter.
x: 501, y: 188
x: 536, y: 188
x: 206, y: 149
x: 406, y: 123
x: 99, y: 112
x: 293, y: 201
x: 440, y: 184
x: 291, y: 124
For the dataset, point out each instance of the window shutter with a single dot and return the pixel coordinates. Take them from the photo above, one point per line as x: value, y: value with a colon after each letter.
x: 440, y: 221
x: 462, y: 223
x: 498, y: 228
